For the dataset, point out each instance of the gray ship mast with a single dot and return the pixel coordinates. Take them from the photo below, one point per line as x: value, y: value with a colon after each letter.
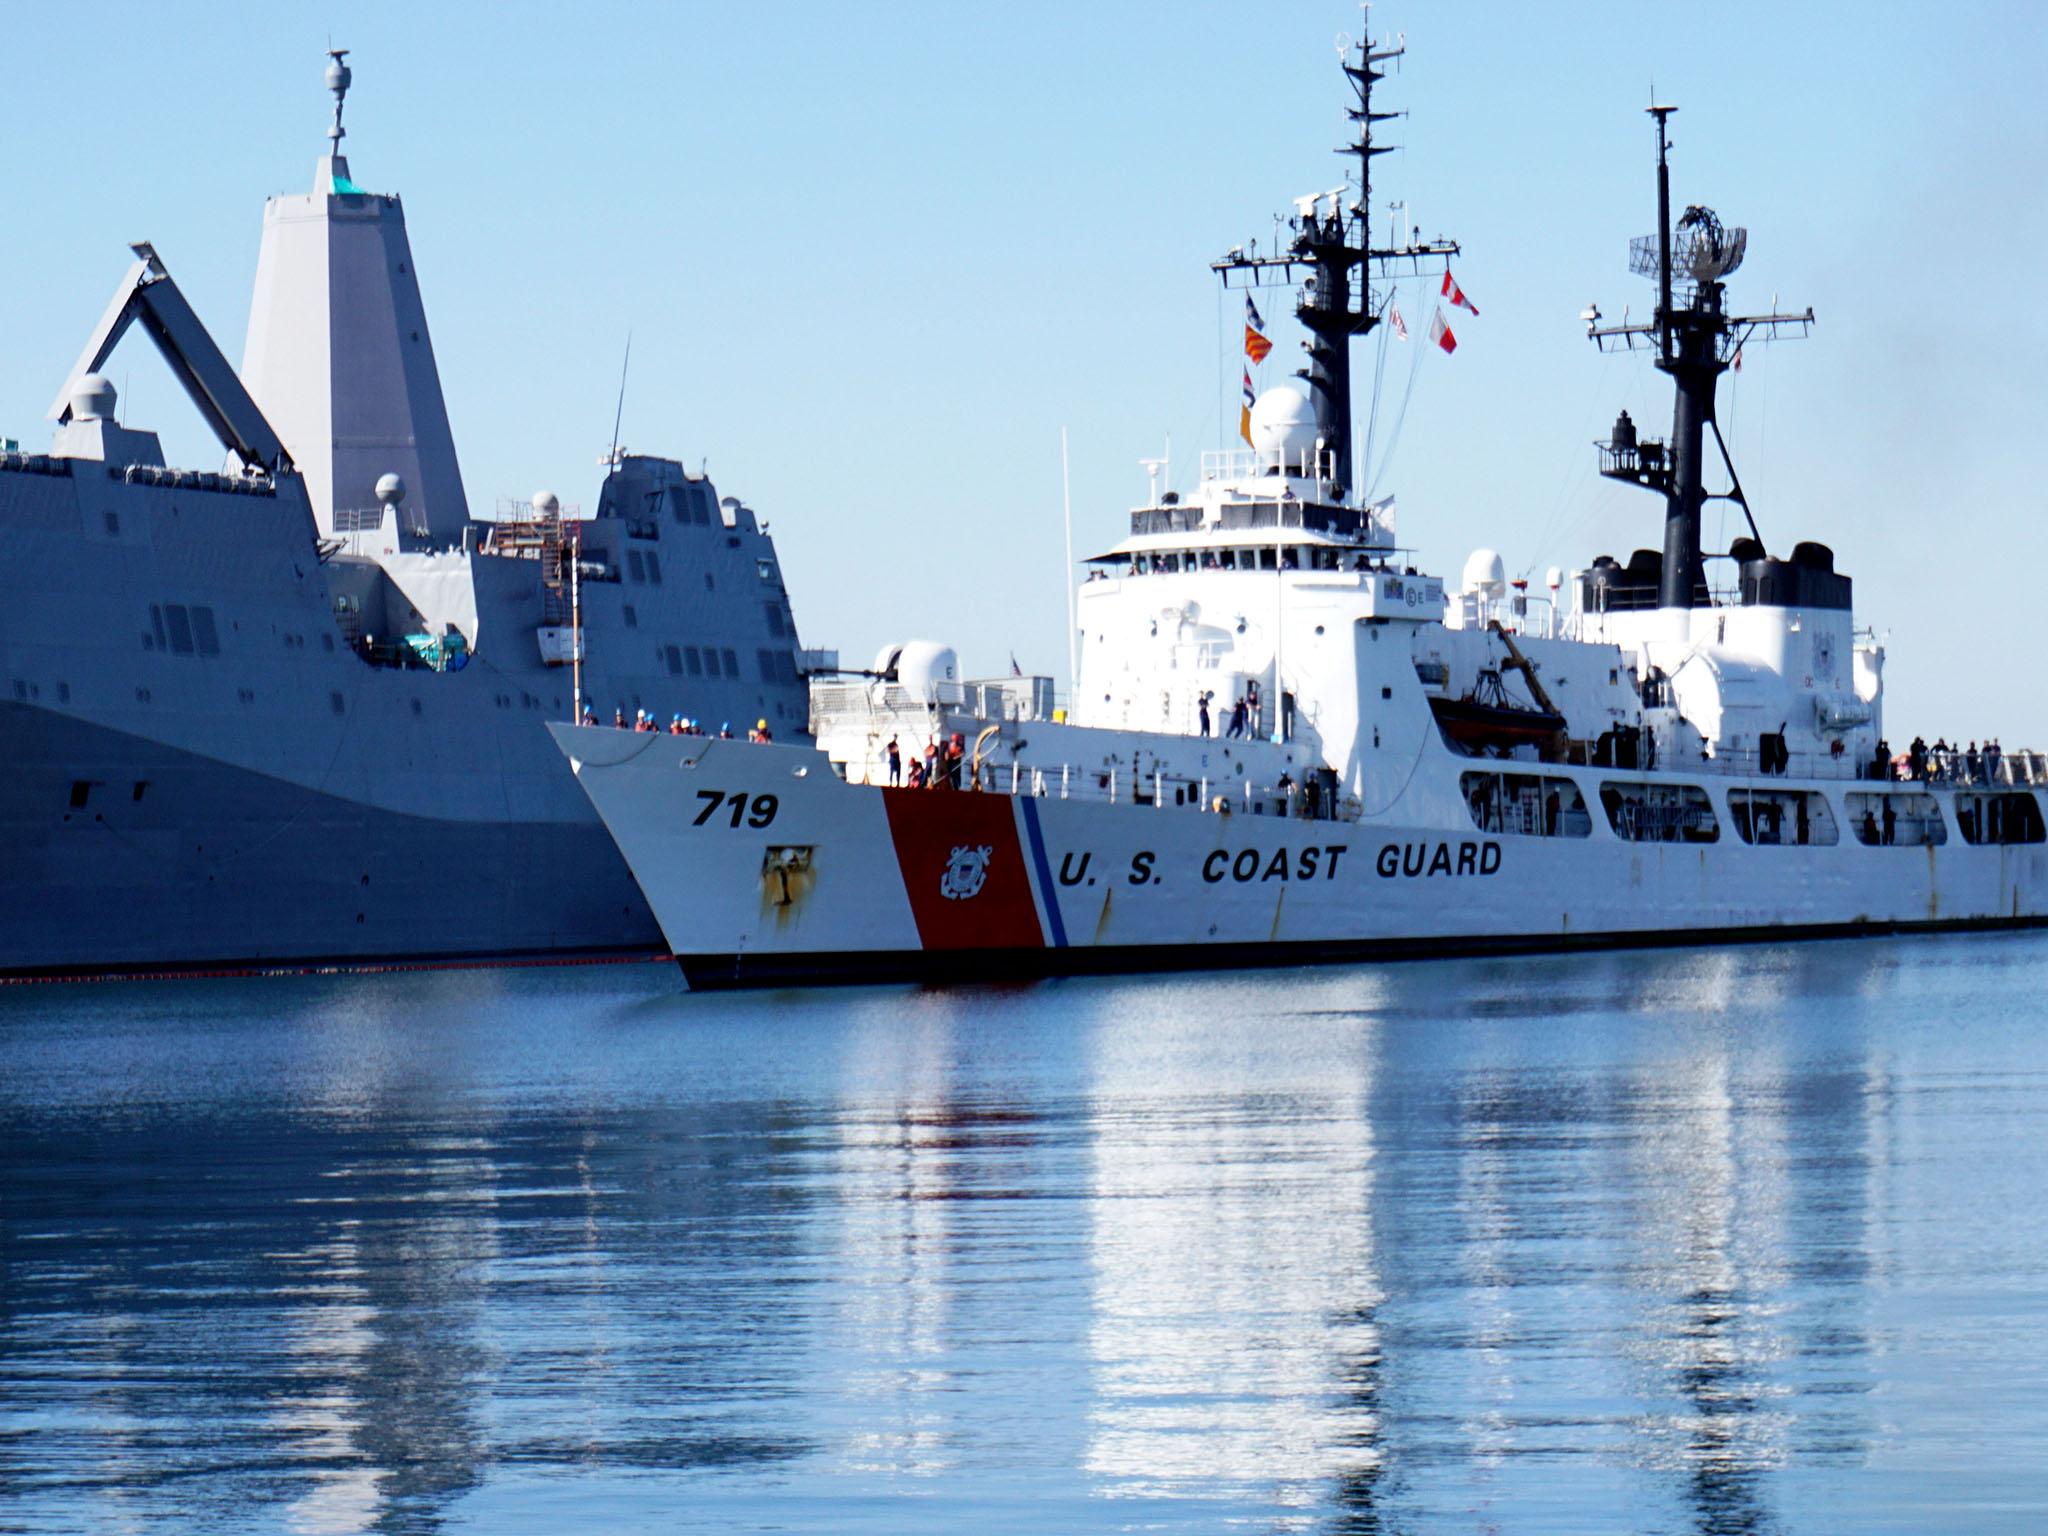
x: 339, y: 356
x: 1695, y: 340
x: 1332, y: 255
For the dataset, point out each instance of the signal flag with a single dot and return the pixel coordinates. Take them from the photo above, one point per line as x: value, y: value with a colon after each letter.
x: 1455, y: 294
x: 1256, y: 346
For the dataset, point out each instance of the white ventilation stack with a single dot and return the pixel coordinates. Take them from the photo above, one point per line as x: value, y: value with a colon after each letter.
x: 338, y: 353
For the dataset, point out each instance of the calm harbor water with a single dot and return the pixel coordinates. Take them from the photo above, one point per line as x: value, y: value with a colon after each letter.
x: 1742, y: 1240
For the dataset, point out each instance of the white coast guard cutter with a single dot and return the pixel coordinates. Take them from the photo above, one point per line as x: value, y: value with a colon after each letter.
x: 1285, y: 744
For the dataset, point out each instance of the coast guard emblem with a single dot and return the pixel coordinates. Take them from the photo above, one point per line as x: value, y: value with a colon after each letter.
x: 966, y: 873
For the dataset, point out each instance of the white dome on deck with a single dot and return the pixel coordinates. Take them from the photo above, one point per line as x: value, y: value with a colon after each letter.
x: 1284, y: 422
x: 92, y: 398
x: 920, y: 666
x: 1485, y: 572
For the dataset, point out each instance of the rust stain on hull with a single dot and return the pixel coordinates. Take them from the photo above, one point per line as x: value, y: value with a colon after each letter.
x: 788, y: 875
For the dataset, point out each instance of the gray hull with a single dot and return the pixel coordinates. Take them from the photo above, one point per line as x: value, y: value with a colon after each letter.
x: 217, y: 866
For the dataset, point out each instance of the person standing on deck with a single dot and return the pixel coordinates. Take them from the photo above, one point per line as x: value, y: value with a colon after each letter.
x: 895, y: 753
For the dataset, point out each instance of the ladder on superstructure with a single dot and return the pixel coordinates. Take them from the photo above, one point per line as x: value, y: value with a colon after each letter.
x: 541, y: 537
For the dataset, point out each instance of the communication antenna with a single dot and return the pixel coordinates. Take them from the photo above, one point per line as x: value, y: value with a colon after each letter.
x: 1152, y: 468
x: 1331, y: 261
x: 1067, y: 507
x: 619, y: 415
x: 338, y: 78
x: 1694, y: 340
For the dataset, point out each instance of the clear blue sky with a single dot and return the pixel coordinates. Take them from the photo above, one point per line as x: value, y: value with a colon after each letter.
x: 873, y: 259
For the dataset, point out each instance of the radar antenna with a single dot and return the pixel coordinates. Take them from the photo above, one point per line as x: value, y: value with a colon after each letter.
x: 1696, y: 340
x: 1332, y: 256
x: 338, y: 78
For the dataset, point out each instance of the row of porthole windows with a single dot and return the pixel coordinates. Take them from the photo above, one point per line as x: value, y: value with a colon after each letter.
x: 1548, y: 805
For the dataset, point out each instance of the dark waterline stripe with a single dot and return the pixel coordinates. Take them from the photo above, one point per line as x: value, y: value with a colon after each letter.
x: 970, y: 966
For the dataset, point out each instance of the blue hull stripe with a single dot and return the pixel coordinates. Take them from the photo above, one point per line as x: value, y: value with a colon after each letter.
x: 1038, y: 860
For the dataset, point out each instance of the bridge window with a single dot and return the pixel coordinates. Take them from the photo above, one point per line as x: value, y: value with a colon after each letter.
x: 180, y: 623
x: 1527, y: 804
x: 688, y: 505
x: 674, y: 657
x: 1659, y: 813
x: 2000, y: 818
x: 1910, y: 819
x: 732, y: 662
x: 693, y: 661
x: 1775, y: 817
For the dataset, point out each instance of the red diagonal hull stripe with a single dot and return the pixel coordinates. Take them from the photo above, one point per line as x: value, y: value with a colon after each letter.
x: 940, y: 829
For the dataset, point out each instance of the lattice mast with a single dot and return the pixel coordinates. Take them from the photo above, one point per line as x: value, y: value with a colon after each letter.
x: 1696, y: 341
x: 1332, y: 255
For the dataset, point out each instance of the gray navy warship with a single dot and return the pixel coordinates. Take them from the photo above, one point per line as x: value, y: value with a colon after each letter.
x: 294, y: 712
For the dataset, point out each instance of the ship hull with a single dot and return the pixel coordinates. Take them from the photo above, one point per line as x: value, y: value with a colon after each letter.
x: 212, y: 866
x: 763, y: 868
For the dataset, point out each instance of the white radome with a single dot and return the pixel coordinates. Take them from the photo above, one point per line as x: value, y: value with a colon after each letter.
x: 1485, y: 572
x: 1284, y: 422
x: 92, y: 398
x: 390, y: 489
x: 546, y: 503
x: 921, y: 665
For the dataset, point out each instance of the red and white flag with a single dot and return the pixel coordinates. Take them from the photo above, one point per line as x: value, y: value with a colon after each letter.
x: 1441, y: 334
x: 1738, y: 360
x: 1394, y: 319
x: 1455, y: 294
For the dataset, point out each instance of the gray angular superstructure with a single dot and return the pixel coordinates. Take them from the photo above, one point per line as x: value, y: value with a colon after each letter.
x: 295, y: 713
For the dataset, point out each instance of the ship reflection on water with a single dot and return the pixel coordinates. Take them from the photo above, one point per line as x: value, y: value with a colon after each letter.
x: 1710, y: 1241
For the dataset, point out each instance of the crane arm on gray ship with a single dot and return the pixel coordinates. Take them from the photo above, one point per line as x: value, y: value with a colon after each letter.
x: 149, y: 295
